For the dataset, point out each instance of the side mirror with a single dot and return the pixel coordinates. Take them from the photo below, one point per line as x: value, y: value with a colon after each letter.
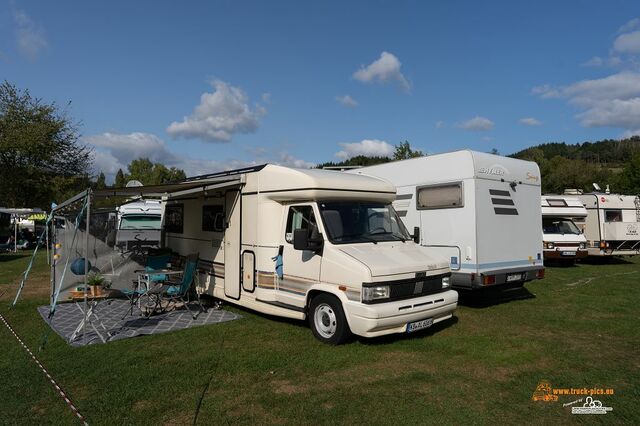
x: 416, y: 234
x: 301, y: 240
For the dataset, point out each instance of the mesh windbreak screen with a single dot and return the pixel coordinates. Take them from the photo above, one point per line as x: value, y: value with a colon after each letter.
x: 113, y: 255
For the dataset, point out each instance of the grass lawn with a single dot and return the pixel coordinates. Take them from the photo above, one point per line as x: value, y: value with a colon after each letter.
x: 578, y: 328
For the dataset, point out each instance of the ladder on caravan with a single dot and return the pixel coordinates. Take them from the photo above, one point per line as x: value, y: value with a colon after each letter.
x: 637, y: 203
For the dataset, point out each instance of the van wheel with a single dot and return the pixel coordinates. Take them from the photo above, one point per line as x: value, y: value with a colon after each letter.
x: 327, y: 320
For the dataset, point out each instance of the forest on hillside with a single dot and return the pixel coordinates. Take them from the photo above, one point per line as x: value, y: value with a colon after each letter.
x: 609, y: 162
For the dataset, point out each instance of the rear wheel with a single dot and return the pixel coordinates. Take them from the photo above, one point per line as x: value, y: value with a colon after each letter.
x: 327, y: 320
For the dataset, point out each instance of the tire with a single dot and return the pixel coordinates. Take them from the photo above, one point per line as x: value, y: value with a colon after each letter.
x: 327, y: 321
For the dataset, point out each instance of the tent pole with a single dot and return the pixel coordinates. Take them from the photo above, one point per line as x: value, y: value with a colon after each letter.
x: 46, y: 240
x: 86, y: 265
x: 15, y: 233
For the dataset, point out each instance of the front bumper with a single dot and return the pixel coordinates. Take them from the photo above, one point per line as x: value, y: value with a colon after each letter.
x: 392, y: 317
x: 561, y: 253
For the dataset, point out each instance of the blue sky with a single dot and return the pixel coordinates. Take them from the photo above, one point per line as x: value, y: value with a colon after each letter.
x: 212, y: 85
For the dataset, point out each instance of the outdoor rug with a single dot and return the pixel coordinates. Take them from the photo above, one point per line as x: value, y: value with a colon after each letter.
x: 108, y: 321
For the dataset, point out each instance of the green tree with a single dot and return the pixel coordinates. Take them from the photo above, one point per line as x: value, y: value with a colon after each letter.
x: 120, y: 180
x: 101, y: 182
x: 404, y: 152
x: 150, y: 173
x: 41, y: 159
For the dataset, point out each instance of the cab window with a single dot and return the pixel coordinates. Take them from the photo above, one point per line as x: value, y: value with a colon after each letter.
x: 300, y: 217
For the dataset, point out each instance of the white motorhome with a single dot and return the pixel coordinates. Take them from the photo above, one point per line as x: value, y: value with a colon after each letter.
x: 139, y: 224
x: 562, y: 239
x: 612, y: 225
x: 480, y: 211
x: 309, y: 244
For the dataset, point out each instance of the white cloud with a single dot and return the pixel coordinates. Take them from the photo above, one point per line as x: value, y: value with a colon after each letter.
x: 30, y: 36
x: 439, y: 124
x: 115, y: 151
x: 368, y: 147
x: 629, y: 133
x: 383, y: 70
x: 478, y: 124
x: 612, y: 101
x: 596, y: 61
x: 286, y: 159
x: 629, y: 26
x: 219, y: 116
x: 530, y: 121
x: 545, y: 91
x: 628, y: 43
x: 347, y: 100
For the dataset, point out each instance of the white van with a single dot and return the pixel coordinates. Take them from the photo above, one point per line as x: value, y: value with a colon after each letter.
x: 480, y: 211
x: 612, y: 225
x: 310, y: 244
x: 562, y: 239
x: 139, y: 224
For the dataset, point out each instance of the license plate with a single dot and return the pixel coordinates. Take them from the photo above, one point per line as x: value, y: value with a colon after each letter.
x: 514, y: 277
x: 568, y: 253
x: 419, y: 325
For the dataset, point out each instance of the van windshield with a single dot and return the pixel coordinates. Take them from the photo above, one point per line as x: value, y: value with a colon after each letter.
x: 559, y: 226
x: 361, y: 222
x: 140, y: 221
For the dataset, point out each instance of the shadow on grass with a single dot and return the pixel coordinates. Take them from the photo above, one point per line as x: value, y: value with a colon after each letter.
x: 488, y: 297
x: 560, y: 264
x: 13, y: 256
x: 606, y: 260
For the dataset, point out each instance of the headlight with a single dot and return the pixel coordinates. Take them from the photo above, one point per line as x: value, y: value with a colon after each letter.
x: 446, y: 282
x: 375, y: 293
x: 549, y: 245
x: 583, y: 246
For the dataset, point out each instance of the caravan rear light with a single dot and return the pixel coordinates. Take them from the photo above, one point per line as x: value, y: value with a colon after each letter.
x: 540, y: 274
x: 488, y: 279
x: 604, y: 244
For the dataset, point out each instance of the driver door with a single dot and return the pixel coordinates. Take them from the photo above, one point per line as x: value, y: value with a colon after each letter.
x: 301, y: 268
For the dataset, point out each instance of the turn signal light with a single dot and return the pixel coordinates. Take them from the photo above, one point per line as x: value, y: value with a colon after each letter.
x: 488, y: 279
x: 540, y: 274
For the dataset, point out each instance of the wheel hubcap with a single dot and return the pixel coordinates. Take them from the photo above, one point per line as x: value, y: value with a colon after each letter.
x: 325, y: 320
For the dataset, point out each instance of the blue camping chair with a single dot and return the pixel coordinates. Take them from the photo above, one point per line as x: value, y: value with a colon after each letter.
x: 153, y: 263
x: 180, y: 291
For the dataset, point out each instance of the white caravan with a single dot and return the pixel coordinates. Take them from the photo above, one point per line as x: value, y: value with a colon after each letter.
x: 481, y: 211
x: 612, y: 225
x: 309, y: 244
x: 562, y: 239
x: 139, y: 224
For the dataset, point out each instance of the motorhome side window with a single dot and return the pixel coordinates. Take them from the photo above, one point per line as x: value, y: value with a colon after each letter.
x: 213, y: 218
x: 613, y: 215
x: 440, y: 196
x: 300, y: 217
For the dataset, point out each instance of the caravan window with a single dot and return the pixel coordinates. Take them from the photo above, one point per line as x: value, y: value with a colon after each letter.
x: 213, y: 218
x: 300, y: 217
x: 613, y: 215
x: 440, y: 196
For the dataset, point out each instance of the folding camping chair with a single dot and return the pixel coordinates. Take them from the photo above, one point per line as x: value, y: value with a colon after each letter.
x: 151, y: 281
x: 180, y: 291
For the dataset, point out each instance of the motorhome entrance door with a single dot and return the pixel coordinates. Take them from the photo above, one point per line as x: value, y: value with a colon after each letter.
x: 232, y: 245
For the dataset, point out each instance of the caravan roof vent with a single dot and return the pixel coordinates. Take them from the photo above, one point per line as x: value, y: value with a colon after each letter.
x: 133, y: 183
x: 572, y: 191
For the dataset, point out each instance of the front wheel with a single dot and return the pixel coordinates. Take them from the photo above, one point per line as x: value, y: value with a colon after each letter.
x: 327, y: 321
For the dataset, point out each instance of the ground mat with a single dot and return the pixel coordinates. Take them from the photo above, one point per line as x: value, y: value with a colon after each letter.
x: 107, y: 320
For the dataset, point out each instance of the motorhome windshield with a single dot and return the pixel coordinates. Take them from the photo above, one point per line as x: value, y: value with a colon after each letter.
x: 361, y: 222
x: 140, y: 221
x: 559, y: 226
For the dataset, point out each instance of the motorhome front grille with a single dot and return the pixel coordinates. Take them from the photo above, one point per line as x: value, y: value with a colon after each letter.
x: 408, y: 288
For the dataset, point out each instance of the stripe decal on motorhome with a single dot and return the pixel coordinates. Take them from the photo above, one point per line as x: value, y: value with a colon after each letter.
x: 503, y: 202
